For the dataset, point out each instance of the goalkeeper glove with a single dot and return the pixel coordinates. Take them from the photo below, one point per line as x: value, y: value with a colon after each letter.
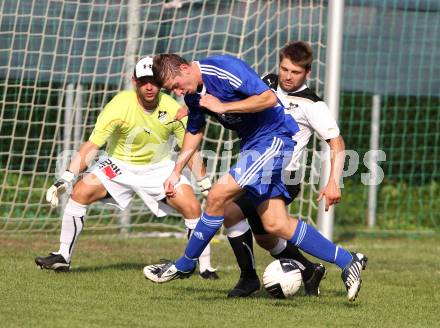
x: 58, y: 188
x: 204, y: 185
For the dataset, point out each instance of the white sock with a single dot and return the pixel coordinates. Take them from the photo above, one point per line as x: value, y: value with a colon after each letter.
x: 279, y: 247
x: 205, y: 257
x: 237, y: 229
x: 71, y: 227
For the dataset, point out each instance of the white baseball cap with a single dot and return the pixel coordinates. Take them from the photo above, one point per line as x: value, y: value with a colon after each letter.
x: 143, y: 68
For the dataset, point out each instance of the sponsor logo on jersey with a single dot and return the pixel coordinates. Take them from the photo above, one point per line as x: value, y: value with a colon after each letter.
x: 292, y: 106
x: 110, y: 169
x: 162, y: 116
x: 148, y: 130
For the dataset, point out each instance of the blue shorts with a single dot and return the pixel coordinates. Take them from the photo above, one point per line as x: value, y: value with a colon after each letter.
x: 259, y: 168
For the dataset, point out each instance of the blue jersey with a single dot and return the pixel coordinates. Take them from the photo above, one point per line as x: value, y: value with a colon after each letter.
x: 230, y: 79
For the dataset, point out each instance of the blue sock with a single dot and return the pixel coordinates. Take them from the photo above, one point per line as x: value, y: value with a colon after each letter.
x: 307, y: 238
x: 201, y: 236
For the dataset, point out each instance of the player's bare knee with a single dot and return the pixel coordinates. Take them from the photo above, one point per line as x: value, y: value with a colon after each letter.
x: 274, y: 227
x: 193, y: 210
x: 82, y: 193
x: 215, y: 202
x: 233, y: 215
x: 78, y: 194
x: 196, y: 210
x: 267, y: 242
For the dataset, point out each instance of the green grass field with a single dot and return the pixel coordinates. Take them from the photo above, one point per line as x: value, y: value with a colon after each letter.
x: 106, y: 288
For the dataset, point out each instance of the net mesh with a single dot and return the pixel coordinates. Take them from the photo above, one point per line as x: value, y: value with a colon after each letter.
x: 62, y: 61
x: 390, y: 50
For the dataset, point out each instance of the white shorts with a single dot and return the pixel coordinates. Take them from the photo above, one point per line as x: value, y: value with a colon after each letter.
x: 122, y: 180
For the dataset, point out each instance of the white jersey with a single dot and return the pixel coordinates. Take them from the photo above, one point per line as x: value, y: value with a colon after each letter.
x: 311, y: 114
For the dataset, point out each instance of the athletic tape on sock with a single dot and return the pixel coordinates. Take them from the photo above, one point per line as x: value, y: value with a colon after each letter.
x: 237, y: 229
x: 279, y: 247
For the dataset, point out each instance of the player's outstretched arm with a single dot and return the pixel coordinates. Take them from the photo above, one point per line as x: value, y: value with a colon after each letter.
x: 181, y: 113
x: 252, y: 104
x: 79, y: 163
x: 190, y: 145
x: 83, y: 157
x: 331, y: 191
x: 198, y: 169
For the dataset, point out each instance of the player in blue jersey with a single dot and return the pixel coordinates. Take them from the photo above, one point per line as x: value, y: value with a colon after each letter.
x: 229, y: 90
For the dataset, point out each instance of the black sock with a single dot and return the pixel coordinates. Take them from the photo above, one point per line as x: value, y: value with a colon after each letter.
x: 292, y: 252
x: 243, y: 250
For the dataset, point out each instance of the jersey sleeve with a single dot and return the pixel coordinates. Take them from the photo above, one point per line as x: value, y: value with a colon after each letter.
x: 108, y: 121
x: 322, y: 121
x: 196, y: 118
x: 246, y: 79
x: 271, y: 80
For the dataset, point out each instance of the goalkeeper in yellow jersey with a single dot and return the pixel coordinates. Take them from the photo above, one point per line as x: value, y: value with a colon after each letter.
x: 137, y: 127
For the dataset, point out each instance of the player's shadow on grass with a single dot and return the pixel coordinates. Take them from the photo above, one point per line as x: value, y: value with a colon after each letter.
x: 125, y: 266
x: 216, y: 292
x: 201, y: 292
x: 333, y: 292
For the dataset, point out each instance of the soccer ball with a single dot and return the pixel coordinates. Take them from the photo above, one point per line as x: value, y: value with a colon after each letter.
x: 282, y: 278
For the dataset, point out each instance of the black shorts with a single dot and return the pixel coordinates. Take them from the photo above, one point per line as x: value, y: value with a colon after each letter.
x: 249, y: 209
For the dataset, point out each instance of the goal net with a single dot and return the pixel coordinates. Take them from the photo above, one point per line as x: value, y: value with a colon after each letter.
x: 62, y: 61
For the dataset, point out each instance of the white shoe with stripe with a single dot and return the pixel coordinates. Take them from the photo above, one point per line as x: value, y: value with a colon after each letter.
x: 164, y: 272
x: 351, y: 275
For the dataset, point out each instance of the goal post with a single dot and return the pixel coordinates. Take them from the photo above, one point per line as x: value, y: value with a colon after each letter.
x: 331, y: 97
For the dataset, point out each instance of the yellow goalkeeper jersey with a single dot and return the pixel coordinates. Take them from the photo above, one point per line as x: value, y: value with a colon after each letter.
x: 135, y: 136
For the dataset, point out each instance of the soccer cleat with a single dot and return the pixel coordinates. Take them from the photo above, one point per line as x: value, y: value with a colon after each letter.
x: 311, y: 285
x: 165, y: 272
x: 209, y: 274
x: 54, y: 262
x: 351, y: 275
x: 245, y: 287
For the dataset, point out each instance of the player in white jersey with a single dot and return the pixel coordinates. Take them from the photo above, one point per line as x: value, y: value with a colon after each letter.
x: 137, y: 126
x: 312, y: 116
